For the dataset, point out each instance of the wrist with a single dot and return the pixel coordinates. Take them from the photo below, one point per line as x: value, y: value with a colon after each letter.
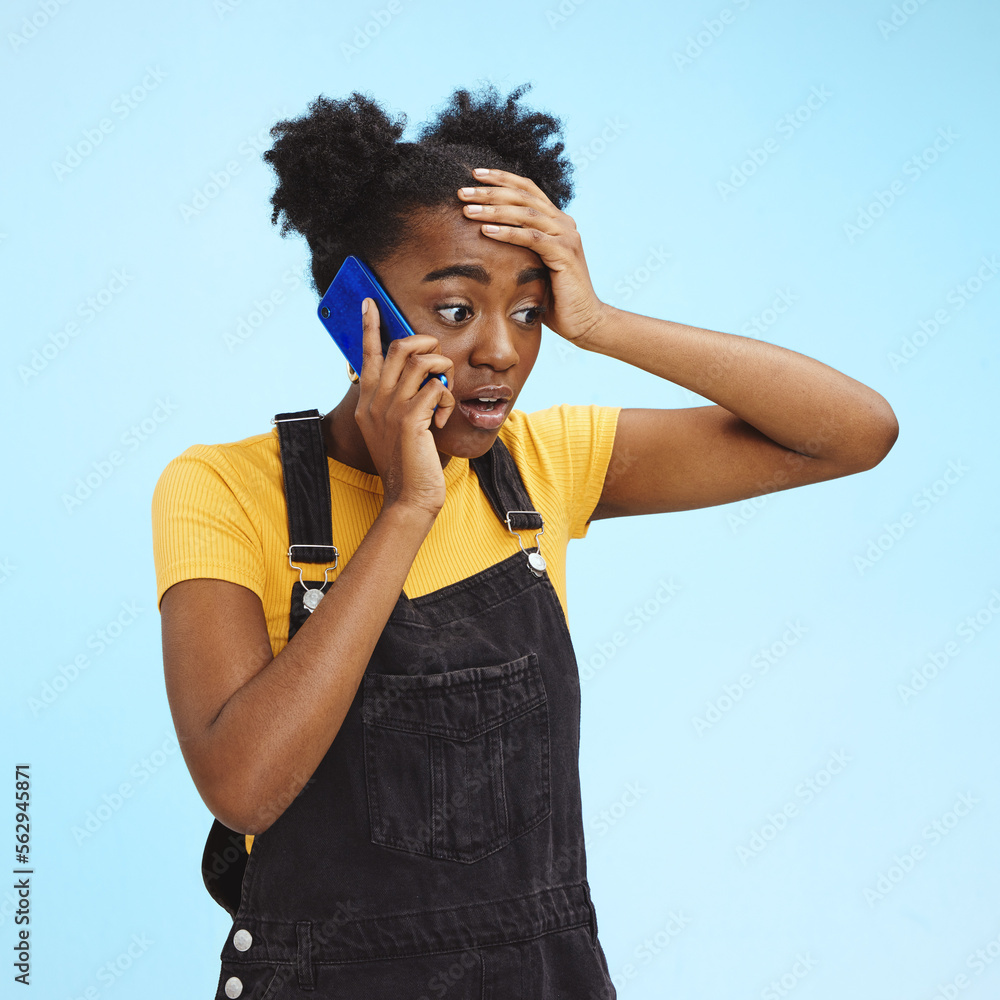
x: 599, y: 334
x: 408, y: 516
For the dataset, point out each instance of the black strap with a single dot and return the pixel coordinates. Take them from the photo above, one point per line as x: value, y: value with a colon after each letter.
x: 306, y: 478
x: 504, y: 488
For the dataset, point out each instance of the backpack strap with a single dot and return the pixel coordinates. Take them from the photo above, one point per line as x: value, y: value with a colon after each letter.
x: 223, y: 864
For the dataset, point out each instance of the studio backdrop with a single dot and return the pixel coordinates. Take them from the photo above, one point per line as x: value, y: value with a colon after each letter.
x: 788, y: 740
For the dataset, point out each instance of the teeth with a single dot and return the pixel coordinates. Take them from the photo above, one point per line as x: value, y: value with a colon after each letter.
x: 488, y: 399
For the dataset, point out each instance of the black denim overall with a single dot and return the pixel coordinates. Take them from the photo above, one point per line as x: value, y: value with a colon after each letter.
x: 437, y: 851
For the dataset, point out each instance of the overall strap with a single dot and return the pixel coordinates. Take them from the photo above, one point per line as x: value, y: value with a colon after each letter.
x: 501, y: 482
x: 306, y: 479
x: 305, y: 476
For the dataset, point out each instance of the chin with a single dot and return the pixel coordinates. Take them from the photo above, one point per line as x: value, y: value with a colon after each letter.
x: 470, y: 443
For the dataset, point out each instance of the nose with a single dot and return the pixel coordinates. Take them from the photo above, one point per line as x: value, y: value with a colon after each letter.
x: 494, y: 344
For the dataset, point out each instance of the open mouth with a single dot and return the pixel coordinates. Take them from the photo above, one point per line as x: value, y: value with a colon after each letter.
x: 486, y: 412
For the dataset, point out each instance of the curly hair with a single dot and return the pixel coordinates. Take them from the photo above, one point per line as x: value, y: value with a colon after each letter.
x: 347, y: 183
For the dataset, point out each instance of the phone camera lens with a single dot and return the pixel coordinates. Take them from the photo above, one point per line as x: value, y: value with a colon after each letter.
x: 325, y: 312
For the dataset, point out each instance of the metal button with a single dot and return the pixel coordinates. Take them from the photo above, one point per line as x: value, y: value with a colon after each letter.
x: 234, y: 987
x: 242, y: 940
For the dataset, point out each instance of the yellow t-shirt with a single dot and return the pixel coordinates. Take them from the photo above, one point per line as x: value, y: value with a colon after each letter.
x: 219, y: 511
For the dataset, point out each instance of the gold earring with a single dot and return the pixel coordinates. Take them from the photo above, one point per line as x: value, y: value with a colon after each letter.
x: 352, y: 374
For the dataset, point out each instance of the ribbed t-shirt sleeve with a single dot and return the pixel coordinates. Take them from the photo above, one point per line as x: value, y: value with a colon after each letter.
x: 204, y: 524
x: 579, y: 441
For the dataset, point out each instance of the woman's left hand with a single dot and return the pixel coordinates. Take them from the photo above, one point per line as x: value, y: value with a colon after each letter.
x: 522, y: 214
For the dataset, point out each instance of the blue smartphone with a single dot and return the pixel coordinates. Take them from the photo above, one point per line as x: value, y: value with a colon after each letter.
x: 340, y: 312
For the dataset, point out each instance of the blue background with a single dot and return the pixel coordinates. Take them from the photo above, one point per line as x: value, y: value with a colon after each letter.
x: 668, y: 802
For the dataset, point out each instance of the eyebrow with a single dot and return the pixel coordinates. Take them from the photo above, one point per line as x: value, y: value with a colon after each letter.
x: 479, y: 273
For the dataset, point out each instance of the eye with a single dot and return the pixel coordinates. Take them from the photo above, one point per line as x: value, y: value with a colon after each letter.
x: 539, y: 312
x: 455, y: 305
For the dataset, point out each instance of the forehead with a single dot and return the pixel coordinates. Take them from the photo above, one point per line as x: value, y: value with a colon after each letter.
x: 441, y: 237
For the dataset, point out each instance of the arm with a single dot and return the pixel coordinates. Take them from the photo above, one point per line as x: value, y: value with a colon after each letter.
x: 253, y: 727
x: 782, y: 419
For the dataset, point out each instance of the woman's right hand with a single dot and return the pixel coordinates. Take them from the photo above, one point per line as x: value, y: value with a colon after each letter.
x: 395, y: 414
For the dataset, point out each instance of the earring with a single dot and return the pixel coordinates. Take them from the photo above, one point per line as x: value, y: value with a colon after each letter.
x: 352, y: 374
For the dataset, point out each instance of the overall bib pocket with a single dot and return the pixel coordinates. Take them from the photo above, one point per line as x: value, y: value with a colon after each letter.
x: 456, y: 763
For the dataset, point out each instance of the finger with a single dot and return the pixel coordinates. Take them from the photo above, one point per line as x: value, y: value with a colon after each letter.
x: 546, y: 246
x: 508, y: 196
x: 418, y: 411
x: 445, y: 406
x: 371, y: 345
x: 399, y: 352
x: 432, y: 395
x: 508, y: 179
x: 515, y: 215
x: 418, y: 368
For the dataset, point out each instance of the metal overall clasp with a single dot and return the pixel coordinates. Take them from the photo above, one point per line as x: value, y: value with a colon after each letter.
x: 536, y: 561
x: 313, y: 595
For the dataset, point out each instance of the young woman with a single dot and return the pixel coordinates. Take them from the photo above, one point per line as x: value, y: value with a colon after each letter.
x: 364, y: 620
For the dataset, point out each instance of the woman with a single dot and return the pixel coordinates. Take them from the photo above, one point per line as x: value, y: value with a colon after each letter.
x: 391, y: 751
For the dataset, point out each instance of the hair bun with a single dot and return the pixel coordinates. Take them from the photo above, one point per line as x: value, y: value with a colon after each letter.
x: 349, y: 185
x: 326, y: 158
x: 485, y: 120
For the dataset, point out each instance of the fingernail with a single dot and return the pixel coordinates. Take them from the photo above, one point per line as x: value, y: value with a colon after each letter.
x: 474, y: 209
x: 491, y: 229
x: 468, y: 191
x: 364, y: 307
x: 481, y: 171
